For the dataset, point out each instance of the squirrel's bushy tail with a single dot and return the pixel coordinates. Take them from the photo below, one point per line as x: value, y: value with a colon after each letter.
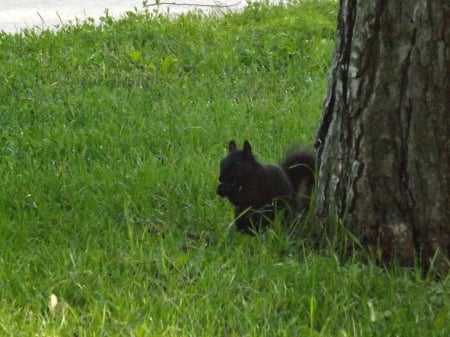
x: 299, y: 166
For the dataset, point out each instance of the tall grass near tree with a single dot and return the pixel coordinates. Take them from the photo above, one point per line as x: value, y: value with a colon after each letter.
x: 110, y: 142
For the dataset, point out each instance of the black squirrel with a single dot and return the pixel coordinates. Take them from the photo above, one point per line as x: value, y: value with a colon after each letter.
x: 259, y: 191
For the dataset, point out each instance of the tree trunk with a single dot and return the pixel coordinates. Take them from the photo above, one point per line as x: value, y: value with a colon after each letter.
x: 383, y: 143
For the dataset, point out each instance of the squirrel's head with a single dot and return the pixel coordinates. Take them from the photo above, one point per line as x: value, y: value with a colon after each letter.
x: 235, y: 170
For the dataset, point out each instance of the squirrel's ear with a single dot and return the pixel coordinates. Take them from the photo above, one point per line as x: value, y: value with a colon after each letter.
x: 247, y: 149
x: 232, y: 146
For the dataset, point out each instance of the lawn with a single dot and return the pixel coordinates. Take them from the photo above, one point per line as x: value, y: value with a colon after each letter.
x: 110, y: 225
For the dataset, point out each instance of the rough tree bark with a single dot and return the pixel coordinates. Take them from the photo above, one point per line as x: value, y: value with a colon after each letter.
x: 383, y: 142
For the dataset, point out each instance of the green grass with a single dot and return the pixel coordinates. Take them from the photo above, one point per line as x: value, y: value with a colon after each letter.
x: 110, y: 143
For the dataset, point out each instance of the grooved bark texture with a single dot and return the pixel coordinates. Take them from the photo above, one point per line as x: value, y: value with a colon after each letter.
x: 383, y: 143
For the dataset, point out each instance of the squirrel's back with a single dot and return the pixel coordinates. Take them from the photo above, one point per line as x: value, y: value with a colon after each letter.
x: 299, y: 167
